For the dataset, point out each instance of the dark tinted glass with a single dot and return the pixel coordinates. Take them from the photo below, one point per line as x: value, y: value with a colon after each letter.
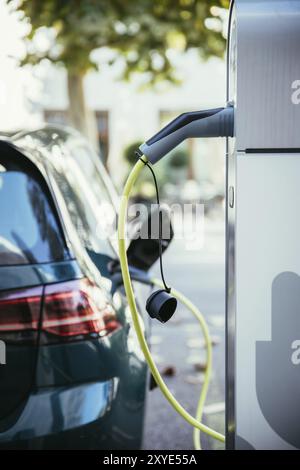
x: 29, y: 232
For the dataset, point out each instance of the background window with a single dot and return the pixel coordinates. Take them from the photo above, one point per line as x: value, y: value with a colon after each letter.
x: 103, y: 133
x: 56, y: 116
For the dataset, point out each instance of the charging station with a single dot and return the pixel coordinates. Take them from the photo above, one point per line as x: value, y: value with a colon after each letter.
x: 263, y: 228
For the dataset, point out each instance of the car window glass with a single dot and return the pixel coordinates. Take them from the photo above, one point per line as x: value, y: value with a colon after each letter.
x: 89, y: 203
x: 29, y: 231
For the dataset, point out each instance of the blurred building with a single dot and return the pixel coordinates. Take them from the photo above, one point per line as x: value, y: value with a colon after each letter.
x: 124, y: 114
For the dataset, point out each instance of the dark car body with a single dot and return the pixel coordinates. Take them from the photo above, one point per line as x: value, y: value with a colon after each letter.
x: 74, y: 376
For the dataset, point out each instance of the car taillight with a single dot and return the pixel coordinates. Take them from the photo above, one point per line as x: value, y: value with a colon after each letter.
x: 77, y: 308
x: 20, y: 313
x: 70, y: 309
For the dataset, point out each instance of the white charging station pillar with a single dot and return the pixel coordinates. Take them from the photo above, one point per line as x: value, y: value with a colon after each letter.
x: 263, y: 226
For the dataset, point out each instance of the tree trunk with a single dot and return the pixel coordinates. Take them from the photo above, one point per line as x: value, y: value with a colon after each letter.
x: 191, y: 170
x: 80, y: 117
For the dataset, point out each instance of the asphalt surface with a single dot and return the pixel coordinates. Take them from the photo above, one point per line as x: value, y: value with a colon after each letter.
x: 199, y: 273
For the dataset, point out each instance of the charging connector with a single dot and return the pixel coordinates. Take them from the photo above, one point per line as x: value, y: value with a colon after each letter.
x: 218, y: 122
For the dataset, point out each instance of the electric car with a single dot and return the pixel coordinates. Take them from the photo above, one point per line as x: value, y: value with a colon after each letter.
x: 72, y: 374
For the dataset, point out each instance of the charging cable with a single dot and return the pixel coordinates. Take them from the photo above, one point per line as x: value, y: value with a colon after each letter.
x: 196, y: 422
x: 208, y: 344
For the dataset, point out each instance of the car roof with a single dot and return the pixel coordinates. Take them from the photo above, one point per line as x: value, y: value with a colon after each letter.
x: 36, y: 143
x: 45, y: 133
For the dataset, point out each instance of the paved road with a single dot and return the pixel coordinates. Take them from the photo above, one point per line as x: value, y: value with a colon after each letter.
x: 198, y: 273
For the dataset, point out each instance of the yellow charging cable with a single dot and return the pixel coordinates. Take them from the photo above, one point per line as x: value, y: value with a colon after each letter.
x: 198, y: 315
x: 138, y: 327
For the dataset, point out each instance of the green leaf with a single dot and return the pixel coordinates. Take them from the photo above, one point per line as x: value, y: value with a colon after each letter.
x: 143, y: 29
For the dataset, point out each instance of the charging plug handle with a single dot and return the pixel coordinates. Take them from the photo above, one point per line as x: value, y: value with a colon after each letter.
x: 218, y: 122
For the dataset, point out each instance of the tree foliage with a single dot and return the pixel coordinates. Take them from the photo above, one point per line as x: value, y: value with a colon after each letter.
x: 141, y: 31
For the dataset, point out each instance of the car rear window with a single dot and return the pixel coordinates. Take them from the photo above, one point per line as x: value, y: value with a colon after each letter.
x: 29, y: 231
